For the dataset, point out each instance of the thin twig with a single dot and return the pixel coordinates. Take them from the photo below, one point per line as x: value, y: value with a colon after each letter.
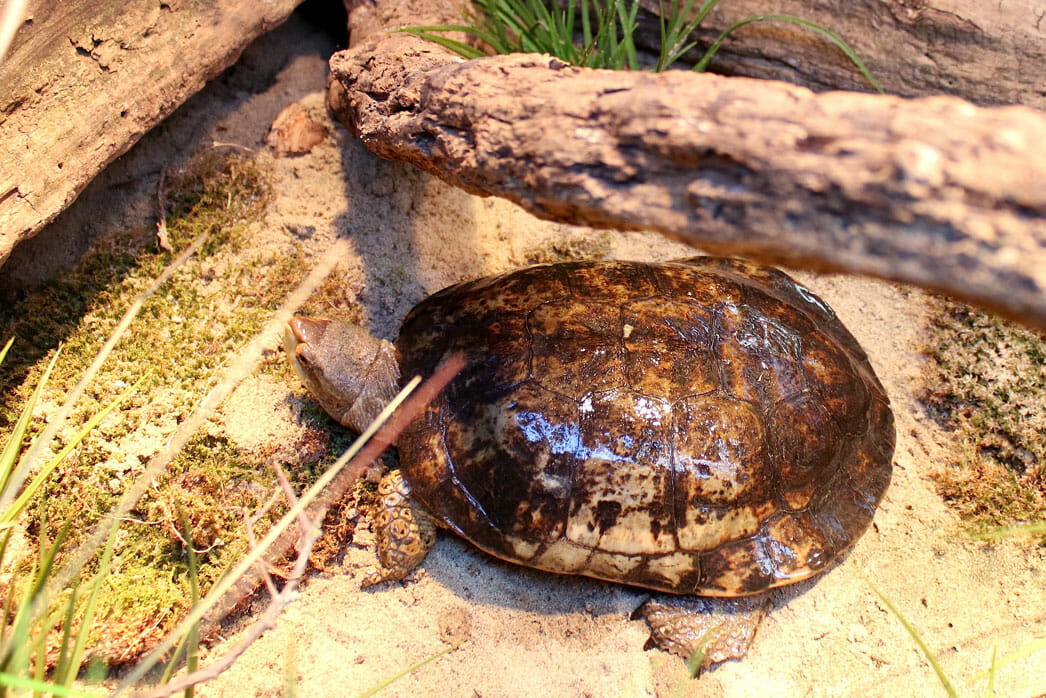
x: 355, y: 465
x: 269, y: 504
x: 279, y: 601
x: 263, y: 565
x: 292, y: 498
x: 236, y: 146
x: 356, y: 459
x: 173, y: 530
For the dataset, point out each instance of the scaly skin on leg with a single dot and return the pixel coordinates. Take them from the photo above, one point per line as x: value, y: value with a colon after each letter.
x: 404, y: 530
x: 722, y: 628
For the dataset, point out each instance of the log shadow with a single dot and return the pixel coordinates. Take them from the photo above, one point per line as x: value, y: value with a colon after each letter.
x: 412, y: 235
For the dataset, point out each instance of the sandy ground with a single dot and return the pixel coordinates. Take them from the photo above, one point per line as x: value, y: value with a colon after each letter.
x: 527, y: 633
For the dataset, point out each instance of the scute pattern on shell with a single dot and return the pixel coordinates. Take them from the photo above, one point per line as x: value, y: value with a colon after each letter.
x: 703, y: 426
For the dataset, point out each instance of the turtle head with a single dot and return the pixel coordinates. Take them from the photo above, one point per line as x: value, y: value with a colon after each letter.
x: 351, y: 373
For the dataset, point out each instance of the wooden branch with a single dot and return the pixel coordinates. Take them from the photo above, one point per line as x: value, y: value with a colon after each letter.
x: 935, y: 191
x: 986, y: 52
x: 310, y: 525
x: 84, y: 80
x: 278, y: 601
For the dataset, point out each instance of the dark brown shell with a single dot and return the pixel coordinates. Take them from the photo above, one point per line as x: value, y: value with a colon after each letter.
x: 704, y: 426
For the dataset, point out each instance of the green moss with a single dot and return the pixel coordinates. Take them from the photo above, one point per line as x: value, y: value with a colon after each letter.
x: 330, y: 297
x: 986, y: 382
x: 81, y: 307
x: 216, y: 485
x: 181, y: 340
x: 595, y: 245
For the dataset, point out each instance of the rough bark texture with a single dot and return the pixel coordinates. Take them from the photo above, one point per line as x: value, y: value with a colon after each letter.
x: 84, y: 80
x: 932, y: 191
x: 987, y: 52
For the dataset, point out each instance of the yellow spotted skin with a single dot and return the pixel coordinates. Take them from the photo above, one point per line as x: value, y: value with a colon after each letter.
x: 405, y: 532
x: 705, y: 426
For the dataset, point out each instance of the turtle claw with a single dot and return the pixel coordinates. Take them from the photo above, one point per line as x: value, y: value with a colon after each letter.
x: 404, y: 532
x: 703, y: 631
x: 372, y: 576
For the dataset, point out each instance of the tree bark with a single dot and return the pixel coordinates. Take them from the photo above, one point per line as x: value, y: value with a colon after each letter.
x: 935, y: 191
x: 987, y: 52
x: 84, y: 80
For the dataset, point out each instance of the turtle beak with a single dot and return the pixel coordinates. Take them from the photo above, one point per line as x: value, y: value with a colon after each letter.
x: 304, y: 330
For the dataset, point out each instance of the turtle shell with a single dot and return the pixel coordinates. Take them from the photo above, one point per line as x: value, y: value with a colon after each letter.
x: 703, y: 426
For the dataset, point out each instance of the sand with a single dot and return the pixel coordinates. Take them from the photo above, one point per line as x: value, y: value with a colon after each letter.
x: 523, y: 633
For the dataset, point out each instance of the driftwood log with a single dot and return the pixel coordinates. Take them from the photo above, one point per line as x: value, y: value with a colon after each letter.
x: 986, y: 52
x: 935, y: 191
x: 84, y: 80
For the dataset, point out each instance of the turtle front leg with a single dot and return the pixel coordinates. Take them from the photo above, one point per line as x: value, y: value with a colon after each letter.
x: 405, y: 532
x: 704, y: 631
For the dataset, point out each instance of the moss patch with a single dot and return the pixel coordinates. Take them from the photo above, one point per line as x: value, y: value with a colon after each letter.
x: 573, y: 246
x: 181, y: 341
x: 986, y: 382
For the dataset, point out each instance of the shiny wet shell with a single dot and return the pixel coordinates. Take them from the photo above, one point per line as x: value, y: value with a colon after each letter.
x: 705, y: 426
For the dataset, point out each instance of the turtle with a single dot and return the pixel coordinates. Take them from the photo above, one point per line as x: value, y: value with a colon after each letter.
x: 704, y: 427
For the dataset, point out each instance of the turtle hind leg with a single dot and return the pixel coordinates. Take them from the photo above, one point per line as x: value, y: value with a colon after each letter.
x: 405, y: 532
x: 703, y: 631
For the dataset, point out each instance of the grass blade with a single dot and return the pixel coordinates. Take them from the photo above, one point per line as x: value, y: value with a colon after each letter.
x: 12, y: 681
x: 12, y: 584
x: 87, y: 619
x: 824, y: 32
x: 17, y: 655
x: 544, y: 28
x: 676, y: 41
x: 3, y: 352
x: 1028, y: 650
x: 586, y: 24
x: 458, y: 47
x: 666, y: 31
x: 997, y: 533
x: 608, y: 40
x: 193, y: 636
x: 179, y: 650
x: 697, y: 658
x: 941, y: 676
x: 8, y: 517
x: 172, y: 663
x: 520, y: 20
x: 64, y: 656
x: 991, y: 673
x: 676, y: 31
x: 413, y: 667
x: 18, y: 625
x: 9, y: 456
x: 42, y: 633
x: 628, y: 30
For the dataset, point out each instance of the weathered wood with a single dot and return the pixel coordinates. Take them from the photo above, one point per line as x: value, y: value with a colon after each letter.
x: 986, y: 52
x: 934, y: 191
x: 84, y: 80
